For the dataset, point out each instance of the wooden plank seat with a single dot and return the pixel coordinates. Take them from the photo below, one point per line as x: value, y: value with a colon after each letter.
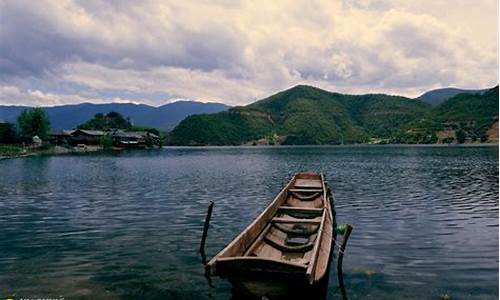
x: 289, y: 248
x: 305, y: 210
x: 308, y: 183
x: 297, y: 229
x: 294, y: 221
x: 306, y: 190
x: 300, y: 212
x: 306, y: 197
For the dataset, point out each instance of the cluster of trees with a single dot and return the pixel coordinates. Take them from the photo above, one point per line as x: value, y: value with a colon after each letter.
x: 114, y: 120
x: 8, y: 134
x: 30, y: 123
x: 105, y: 122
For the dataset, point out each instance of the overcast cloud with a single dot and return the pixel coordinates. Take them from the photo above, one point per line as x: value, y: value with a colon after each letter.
x: 153, y: 52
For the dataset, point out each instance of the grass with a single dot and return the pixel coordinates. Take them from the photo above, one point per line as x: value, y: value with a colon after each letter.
x: 18, y: 150
x: 10, y: 150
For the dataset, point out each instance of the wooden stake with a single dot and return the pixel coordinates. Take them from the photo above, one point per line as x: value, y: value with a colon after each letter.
x: 339, y: 261
x: 205, y: 231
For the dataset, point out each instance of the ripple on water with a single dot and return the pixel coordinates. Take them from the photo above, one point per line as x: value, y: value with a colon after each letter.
x: 128, y: 225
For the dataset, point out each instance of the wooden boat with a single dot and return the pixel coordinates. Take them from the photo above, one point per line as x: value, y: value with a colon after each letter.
x: 285, y: 252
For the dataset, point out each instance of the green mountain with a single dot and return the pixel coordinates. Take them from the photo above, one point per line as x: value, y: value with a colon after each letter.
x: 438, y: 96
x: 303, y: 115
x: 462, y: 118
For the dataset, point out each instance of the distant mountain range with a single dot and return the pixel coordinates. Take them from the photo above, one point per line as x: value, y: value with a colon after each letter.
x: 308, y: 115
x: 164, y: 117
x: 438, y: 96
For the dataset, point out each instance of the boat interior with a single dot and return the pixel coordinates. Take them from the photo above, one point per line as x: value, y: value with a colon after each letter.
x: 291, y: 233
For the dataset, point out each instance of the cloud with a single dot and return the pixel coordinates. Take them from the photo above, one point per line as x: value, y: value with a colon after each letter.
x: 239, y: 51
x: 11, y: 95
x: 37, y: 37
x: 213, y: 86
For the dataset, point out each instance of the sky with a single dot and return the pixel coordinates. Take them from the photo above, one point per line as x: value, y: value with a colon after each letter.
x: 236, y: 52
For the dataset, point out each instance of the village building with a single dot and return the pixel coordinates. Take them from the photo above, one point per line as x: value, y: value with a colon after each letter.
x: 133, y: 139
x: 60, y: 137
x: 120, y: 138
x: 37, y: 141
x: 87, y: 137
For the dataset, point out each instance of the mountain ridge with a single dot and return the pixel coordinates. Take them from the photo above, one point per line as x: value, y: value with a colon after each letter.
x: 301, y: 115
x: 309, y: 115
x: 164, y: 117
x: 438, y: 96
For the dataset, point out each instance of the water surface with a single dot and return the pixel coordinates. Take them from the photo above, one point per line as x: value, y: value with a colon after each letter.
x: 127, y: 226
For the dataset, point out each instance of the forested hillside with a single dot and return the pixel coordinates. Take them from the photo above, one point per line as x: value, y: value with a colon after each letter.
x: 302, y: 115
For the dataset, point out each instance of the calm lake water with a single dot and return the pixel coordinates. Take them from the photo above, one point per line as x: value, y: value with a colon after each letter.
x: 128, y: 225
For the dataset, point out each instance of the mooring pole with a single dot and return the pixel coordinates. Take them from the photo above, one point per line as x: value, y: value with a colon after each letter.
x: 334, y: 212
x: 205, y: 231
x: 339, y: 261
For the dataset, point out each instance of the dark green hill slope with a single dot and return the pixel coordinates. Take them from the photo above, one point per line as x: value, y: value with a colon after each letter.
x: 226, y: 128
x: 303, y: 115
x: 462, y: 118
x: 308, y: 115
x: 382, y: 115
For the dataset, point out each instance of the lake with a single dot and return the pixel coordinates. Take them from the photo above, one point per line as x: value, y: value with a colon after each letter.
x: 128, y: 225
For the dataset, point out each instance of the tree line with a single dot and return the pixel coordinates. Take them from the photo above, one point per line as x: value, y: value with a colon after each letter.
x: 30, y: 123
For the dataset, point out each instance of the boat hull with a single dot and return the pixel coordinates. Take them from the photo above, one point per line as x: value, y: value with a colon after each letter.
x: 261, y: 279
x: 285, y: 253
x: 277, y: 289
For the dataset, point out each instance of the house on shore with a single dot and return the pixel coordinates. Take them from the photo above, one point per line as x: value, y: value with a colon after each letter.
x: 60, y: 137
x: 119, y: 137
x: 87, y: 137
x: 134, y: 139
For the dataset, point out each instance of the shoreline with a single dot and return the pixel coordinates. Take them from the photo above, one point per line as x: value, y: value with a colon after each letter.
x: 54, y: 150
x: 334, y: 146
x: 59, y: 150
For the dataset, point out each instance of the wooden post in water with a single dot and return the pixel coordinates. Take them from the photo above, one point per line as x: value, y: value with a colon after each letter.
x: 339, y: 261
x: 205, y: 231
x: 334, y: 212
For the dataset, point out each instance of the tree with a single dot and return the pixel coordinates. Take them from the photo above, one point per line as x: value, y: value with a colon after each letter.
x: 8, y: 133
x: 146, y: 129
x: 461, y: 136
x: 112, y: 120
x: 106, y: 141
x: 33, y: 122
